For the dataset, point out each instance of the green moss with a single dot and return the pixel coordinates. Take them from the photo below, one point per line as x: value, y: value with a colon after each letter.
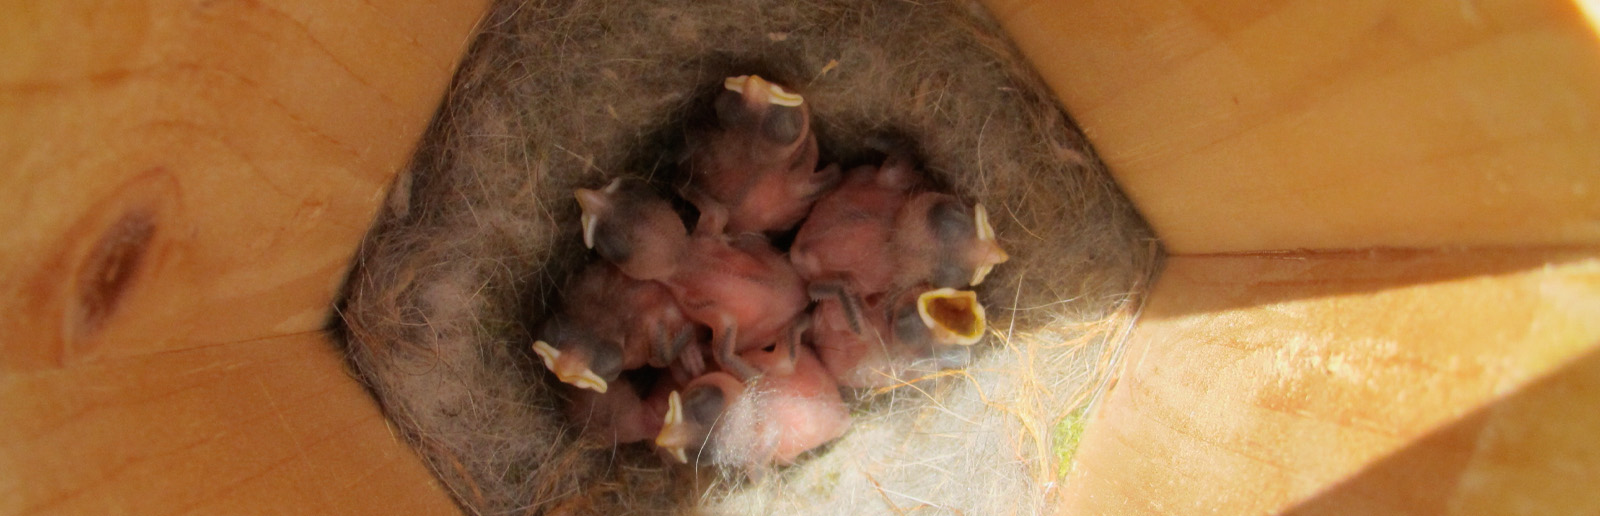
x: 1064, y: 438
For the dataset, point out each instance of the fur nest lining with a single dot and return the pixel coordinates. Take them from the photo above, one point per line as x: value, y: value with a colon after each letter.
x: 482, y: 228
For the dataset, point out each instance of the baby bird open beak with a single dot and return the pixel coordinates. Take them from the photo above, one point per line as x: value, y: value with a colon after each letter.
x: 751, y: 86
x: 954, y: 316
x: 675, y: 434
x: 570, y: 371
x: 594, y: 203
x: 992, y: 253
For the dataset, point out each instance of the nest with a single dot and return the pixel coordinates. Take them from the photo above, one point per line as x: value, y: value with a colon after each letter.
x: 482, y: 228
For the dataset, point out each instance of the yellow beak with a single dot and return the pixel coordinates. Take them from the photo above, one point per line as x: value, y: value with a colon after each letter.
x: 674, y: 434
x: 993, y: 255
x: 582, y: 378
x: 591, y: 202
x: 776, y: 95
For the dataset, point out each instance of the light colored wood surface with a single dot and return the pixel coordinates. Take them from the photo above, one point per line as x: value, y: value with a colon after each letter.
x: 229, y: 154
x: 1425, y: 383
x: 267, y: 427
x: 1250, y: 125
x: 184, y: 184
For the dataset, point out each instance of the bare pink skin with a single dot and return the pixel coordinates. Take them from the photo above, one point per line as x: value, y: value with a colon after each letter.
x: 859, y: 360
x: 740, y: 287
x: 893, y: 347
x: 799, y: 409
x: 746, y: 292
x: 805, y: 407
x: 846, y: 240
x: 642, y: 315
x: 935, y: 241
x: 621, y: 415
x: 749, y: 178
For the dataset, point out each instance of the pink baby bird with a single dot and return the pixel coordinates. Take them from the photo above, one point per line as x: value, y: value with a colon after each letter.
x: 792, y: 408
x: 921, y: 332
x: 611, y: 323
x: 620, y: 415
x: 944, y: 242
x: 741, y: 287
x: 756, y: 168
x: 843, y: 249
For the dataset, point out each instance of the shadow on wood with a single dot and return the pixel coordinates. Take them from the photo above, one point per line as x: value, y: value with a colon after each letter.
x: 1229, y: 281
x: 1533, y: 452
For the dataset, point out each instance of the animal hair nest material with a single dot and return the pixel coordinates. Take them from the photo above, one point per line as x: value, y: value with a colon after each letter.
x: 482, y: 228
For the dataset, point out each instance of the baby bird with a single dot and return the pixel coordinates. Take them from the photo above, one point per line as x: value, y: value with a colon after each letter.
x: 694, y: 411
x: 580, y: 357
x: 741, y: 287
x: 631, y: 226
x: 842, y: 249
x: 942, y: 241
x: 791, y: 409
x: 620, y: 415
x: 756, y: 169
x: 921, y: 333
x: 611, y: 323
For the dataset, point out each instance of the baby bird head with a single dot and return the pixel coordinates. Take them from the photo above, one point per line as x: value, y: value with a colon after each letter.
x: 967, y: 242
x: 693, y: 413
x: 751, y: 103
x: 630, y: 225
x: 579, y: 357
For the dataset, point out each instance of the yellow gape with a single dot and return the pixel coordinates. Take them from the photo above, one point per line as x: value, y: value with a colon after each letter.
x: 954, y: 316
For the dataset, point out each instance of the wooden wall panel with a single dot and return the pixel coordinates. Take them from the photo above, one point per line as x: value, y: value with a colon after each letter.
x: 179, y: 174
x: 1249, y: 125
x: 183, y: 185
x: 267, y: 427
x: 1355, y: 383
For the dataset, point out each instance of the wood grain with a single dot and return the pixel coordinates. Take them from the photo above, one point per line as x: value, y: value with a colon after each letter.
x: 1350, y: 384
x: 1248, y: 125
x: 267, y: 427
x: 252, y: 142
x: 184, y: 184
